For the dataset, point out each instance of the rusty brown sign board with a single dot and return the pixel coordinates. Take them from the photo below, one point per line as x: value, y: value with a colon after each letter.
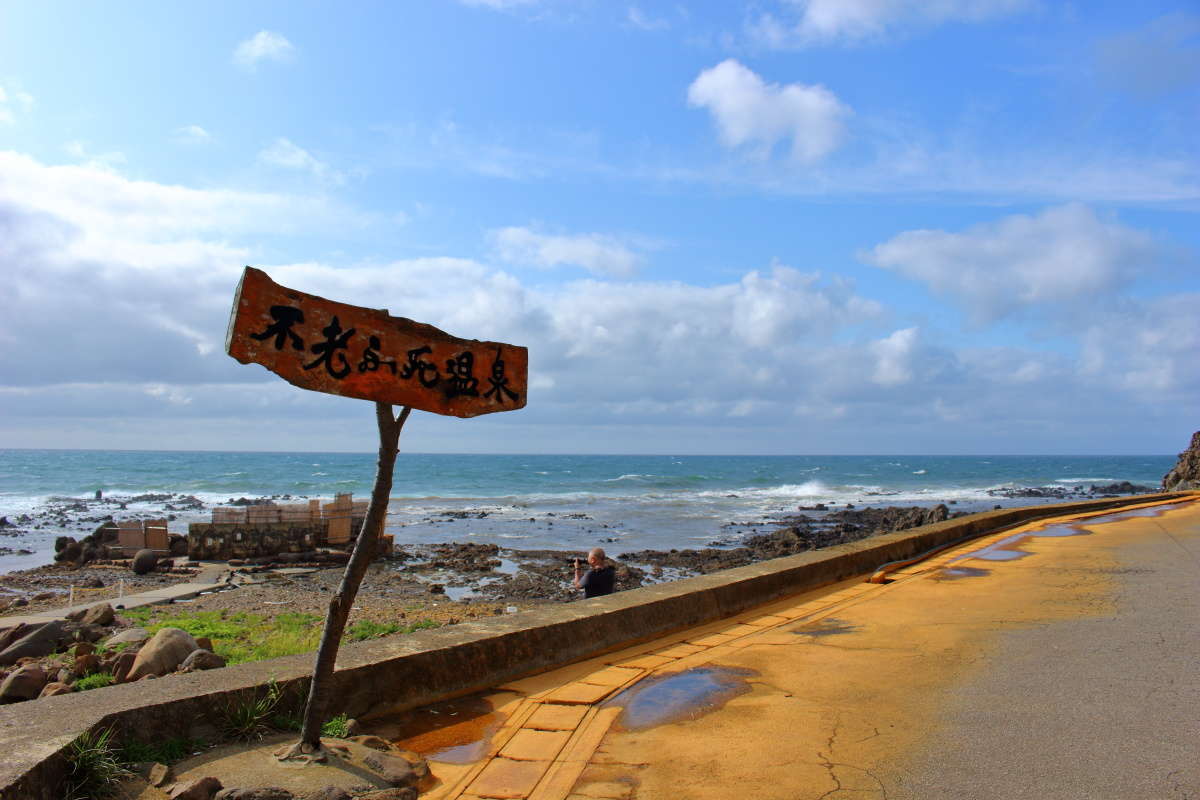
x: 332, y: 347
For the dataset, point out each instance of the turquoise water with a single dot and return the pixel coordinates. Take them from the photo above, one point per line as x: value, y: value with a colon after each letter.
x: 217, y: 475
x: 558, y: 502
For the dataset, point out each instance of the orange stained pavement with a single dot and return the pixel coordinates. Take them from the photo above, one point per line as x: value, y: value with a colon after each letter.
x: 1057, y: 660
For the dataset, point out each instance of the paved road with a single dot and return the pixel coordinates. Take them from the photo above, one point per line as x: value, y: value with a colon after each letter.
x: 1044, y: 666
x: 210, y: 577
x: 1056, y: 661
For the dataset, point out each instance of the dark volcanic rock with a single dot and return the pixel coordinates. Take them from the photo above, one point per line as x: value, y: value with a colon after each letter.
x: 1186, y: 472
x: 1124, y: 487
x: 893, y: 518
x: 144, y: 561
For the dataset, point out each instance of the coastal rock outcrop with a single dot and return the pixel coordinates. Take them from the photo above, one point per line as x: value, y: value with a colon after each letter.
x: 1185, y: 474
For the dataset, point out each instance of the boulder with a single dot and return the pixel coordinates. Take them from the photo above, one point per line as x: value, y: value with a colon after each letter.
x: 160, y: 775
x: 198, y: 789
x: 129, y: 636
x: 107, y: 532
x: 329, y: 793
x: 1185, y: 474
x: 70, y: 552
x: 18, y: 631
x: 80, y: 632
x: 396, y: 768
x: 205, y: 643
x: 165, y: 651
x: 144, y: 561
x: 202, y: 659
x: 122, y: 664
x: 86, y: 665
x: 24, y: 684
x: 261, y: 793
x: 101, y: 614
x: 83, y: 649
x: 393, y: 793
x: 56, y: 687
x: 40, y: 641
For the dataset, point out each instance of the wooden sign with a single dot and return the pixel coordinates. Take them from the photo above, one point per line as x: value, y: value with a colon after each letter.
x: 332, y: 347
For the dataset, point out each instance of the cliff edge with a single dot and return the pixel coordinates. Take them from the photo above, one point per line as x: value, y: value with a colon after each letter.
x: 1186, y: 472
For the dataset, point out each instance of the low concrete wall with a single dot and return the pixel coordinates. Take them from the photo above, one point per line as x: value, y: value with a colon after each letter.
x: 409, y: 671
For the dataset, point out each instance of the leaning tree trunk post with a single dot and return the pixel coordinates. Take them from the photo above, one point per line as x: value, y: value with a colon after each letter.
x: 365, y: 548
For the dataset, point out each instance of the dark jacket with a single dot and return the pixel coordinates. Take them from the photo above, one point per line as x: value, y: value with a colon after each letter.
x: 597, y: 582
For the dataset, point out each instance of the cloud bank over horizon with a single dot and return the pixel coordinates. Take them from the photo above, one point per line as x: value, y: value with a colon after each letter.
x: 122, y: 311
x: 790, y: 226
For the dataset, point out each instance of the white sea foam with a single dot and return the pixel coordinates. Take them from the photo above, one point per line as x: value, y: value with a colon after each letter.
x: 1085, y: 480
x: 919, y: 471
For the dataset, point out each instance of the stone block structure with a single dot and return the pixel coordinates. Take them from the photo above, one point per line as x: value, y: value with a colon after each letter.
x: 223, y: 541
x: 268, y: 529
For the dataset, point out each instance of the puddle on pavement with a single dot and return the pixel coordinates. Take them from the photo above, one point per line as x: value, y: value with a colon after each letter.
x: 679, y: 697
x: 950, y: 573
x: 454, y: 731
x: 829, y: 626
x: 1008, y: 548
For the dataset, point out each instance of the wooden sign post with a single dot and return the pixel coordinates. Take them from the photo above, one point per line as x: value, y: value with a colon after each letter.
x: 331, y: 347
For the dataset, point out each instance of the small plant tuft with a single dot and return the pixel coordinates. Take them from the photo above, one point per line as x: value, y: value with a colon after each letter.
x: 94, y: 767
x: 94, y: 681
x: 249, y: 720
x: 336, y: 727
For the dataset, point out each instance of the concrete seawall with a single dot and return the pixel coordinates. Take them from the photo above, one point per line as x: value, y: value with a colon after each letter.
x: 409, y: 671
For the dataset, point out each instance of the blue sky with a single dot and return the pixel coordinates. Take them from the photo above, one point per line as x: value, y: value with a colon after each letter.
x: 780, y: 226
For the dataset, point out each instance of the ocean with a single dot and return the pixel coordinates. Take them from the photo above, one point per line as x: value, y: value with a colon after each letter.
x: 526, y: 501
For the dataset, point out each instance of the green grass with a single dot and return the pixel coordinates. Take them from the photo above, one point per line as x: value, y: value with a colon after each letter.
x: 94, y: 681
x: 336, y: 727
x: 241, y: 636
x: 94, y: 767
x: 366, y: 629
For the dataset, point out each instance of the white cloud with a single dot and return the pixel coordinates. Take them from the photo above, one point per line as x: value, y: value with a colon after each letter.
x: 122, y: 288
x: 597, y: 253
x: 804, y: 22
x: 106, y: 206
x: 499, y: 5
x: 749, y: 111
x: 893, y: 365
x: 994, y: 269
x: 80, y: 151
x: 287, y: 154
x: 8, y: 114
x: 642, y: 21
x: 192, y: 134
x: 263, y: 46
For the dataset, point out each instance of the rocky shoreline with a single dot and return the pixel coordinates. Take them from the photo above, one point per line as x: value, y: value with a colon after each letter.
x: 452, y: 571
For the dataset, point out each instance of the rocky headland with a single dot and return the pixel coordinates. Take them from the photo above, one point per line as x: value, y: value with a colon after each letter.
x: 1185, y: 474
